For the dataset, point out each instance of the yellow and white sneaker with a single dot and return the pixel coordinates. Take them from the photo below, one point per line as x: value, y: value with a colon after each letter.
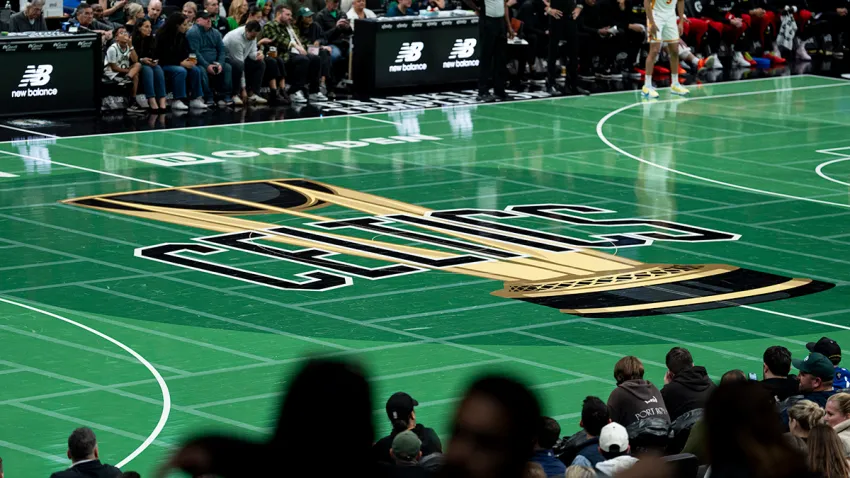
x: 679, y: 90
x: 649, y: 92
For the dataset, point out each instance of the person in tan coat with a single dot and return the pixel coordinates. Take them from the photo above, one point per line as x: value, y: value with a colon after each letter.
x: 838, y: 417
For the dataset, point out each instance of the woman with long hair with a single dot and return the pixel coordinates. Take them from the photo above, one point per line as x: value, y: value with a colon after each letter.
x: 190, y: 11
x: 152, y: 76
x: 172, y: 51
x: 826, y: 454
x: 838, y: 417
x: 235, y: 12
x: 265, y: 6
x: 254, y: 14
x: 802, y: 417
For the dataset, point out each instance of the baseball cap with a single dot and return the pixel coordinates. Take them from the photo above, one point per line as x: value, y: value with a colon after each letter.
x: 406, y: 445
x: 203, y: 14
x: 614, y: 435
x: 400, y: 405
x: 815, y: 364
x: 827, y: 347
x: 305, y: 12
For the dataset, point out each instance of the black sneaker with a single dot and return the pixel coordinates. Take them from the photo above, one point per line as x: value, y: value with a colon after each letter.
x: 486, y: 98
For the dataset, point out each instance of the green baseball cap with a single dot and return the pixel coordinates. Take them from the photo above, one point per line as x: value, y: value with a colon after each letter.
x: 815, y: 364
x: 305, y: 12
x: 406, y: 446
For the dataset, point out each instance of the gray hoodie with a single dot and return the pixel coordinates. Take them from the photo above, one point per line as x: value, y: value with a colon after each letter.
x: 635, y: 400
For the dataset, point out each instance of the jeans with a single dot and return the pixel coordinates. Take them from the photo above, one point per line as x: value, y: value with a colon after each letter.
x: 153, y: 81
x: 221, y: 83
x: 179, y: 77
x: 336, y: 54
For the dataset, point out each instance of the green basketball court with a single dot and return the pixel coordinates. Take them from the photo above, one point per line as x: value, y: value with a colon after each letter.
x: 143, y: 348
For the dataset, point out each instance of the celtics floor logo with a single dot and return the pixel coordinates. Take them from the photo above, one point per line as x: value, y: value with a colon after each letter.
x: 280, y: 219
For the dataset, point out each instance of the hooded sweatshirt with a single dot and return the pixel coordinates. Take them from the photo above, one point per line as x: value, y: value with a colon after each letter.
x: 688, y: 391
x: 634, y: 400
x: 616, y: 465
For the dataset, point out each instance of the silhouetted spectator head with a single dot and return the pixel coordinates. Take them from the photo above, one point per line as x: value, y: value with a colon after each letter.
x: 837, y: 409
x: 777, y: 361
x: 614, y: 441
x: 828, y: 347
x: 130, y: 474
x: 733, y: 376
x: 433, y: 462
x: 594, y: 416
x: 548, y: 433
x: 534, y: 470
x: 816, y: 373
x: 82, y: 445
x: 400, y: 411
x: 406, y: 448
x: 803, y: 416
x: 678, y: 360
x: 744, y: 434
x: 628, y: 368
x: 1, y: 468
x: 826, y: 453
x: 493, y: 431
x: 577, y: 471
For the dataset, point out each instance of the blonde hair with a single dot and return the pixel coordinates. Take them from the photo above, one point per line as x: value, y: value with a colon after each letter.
x: 192, y: 5
x: 576, y: 471
x: 843, y: 401
x: 628, y: 368
x: 807, y: 414
x: 235, y: 5
x: 533, y: 470
x: 133, y: 9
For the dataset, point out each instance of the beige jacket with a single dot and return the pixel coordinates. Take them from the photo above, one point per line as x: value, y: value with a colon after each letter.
x: 843, y: 430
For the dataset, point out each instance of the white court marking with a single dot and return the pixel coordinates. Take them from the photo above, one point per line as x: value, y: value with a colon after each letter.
x: 819, y: 169
x: 166, y: 395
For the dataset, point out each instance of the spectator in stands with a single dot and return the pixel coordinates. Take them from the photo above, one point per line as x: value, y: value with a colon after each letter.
x: 190, y: 11
x: 802, y: 417
x: 777, y: 373
x: 599, y: 36
x: 134, y: 13
x: 837, y: 412
x: 576, y: 471
x: 594, y: 416
x: 265, y: 6
x: 548, y: 432
x: 254, y: 14
x: 686, y: 387
x: 216, y: 74
x: 85, y: 18
x: 534, y: 470
x: 172, y: 51
x: 85, y: 457
x: 302, y: 69
x: 826, y: 454
x: 336, y: 27
x: 29, y: 19
x: 155, y: 15
x: 634, y: 398
x: 152, y: 76
x: 99, y: 15
x: 733, y: 376
x: 218, y: 22
x: 534, y: 23
x: 744, y: 435
x: 403, y: 8
x: 359, y: 11
x: 235, y: 12
x: 816, y: 373
x: 406, y: 453
x: 311, y: 34
x: 493, y: 430
x: 832, y: 351
x: 246, y: 62
x: 275, y: 64
x: 121, y: 63
x: 614, y: 446
x: 400, y: 410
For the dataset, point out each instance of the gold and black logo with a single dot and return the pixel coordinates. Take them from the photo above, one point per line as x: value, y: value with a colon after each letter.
x: 569, y: 273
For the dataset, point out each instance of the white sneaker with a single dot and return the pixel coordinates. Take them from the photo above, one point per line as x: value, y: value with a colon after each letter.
x: 179, y: 105
x: 238, y: 101
x: 198, y: 103
x: 802, y: 54
x: 318, y: 97
x: 717, y: 64
x: 142, y: 101
x: 257, y: 100
x: 298, y: 97
x: 738, y: 60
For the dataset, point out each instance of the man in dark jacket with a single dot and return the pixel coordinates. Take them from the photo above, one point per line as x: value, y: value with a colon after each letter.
x: 402, y: 416
x: 777, y: 378
x: 336, y: 28
x: 82, y: 450
x: 634, y: 399
x: 548, y: 432
x: 594, y: 416
x: 686, y: 387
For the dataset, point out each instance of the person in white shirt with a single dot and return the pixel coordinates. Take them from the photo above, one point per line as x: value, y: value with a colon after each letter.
x: 121, y: 63
x: 359, y: 11
x: 246, y: 61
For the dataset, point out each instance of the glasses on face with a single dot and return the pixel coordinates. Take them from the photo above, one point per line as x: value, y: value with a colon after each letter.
x: 123, y: 33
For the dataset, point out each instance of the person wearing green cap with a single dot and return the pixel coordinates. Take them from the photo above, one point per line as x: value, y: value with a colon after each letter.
x: 406, y: 453
x: 816, y: 373
x: 311, y: 34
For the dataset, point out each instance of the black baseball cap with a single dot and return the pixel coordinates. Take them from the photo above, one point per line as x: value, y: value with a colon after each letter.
x: 828, y: 347
x: 815, y: 364
x: 203, y: 14
x: 400, y: 405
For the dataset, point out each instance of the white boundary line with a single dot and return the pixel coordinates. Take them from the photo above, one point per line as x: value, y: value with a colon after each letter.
x: 166, y: 395
x: 128, y: 178
x: 29, y: 131
x: 819, y: 170
x: 600, y: 125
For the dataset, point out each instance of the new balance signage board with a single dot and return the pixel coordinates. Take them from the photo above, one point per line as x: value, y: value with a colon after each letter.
x: 49, y: 73
x: 413, y: 51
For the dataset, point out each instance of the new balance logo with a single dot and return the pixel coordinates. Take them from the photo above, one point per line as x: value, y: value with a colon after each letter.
x: 463, y: 48
x: 36, y: 76
x: 410, y: 52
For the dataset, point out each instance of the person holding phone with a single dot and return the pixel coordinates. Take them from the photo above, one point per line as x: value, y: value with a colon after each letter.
x: 152, y: 76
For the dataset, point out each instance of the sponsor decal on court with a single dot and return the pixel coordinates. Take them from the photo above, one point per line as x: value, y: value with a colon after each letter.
x: 415, y: 102
x: 583, y: 271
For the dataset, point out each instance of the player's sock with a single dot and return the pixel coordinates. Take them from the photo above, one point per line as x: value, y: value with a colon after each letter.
x: 674, y: 78
x: 647, y: 81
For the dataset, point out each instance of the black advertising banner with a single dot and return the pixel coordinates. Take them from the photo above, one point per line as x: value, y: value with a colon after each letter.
x: 49, y: 73
x: 412, y: 52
